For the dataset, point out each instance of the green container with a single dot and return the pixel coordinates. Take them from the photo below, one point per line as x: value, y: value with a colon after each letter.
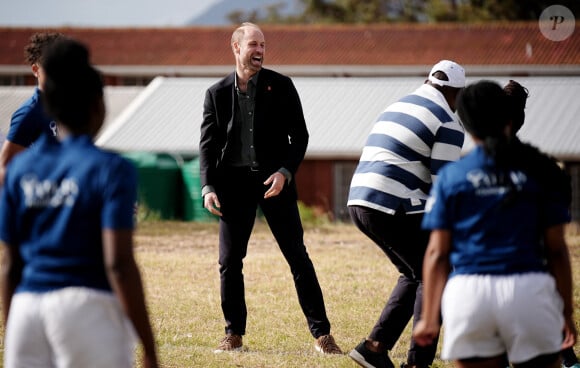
x: 193, y: 209
x: 160, y: 183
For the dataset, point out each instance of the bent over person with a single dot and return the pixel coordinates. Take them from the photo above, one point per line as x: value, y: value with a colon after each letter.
x: 412, y: 139
x: 253, y: 138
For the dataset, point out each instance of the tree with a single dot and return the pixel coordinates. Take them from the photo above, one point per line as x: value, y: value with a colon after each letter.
x: 381, y: 11
x: 492, y: 10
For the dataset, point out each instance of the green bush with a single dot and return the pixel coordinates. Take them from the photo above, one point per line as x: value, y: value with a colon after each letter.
x: 144, y: 213
x: 311, y: 216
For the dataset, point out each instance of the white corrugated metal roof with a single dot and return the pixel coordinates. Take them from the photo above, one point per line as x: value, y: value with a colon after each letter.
x: 116, y: 99
x: 167, y: 115
x: 339, y: 112
x: 553, y: 115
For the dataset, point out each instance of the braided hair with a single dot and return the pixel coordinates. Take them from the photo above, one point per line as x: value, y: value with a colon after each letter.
x: 486, y: 111
x: 558, y: 179
x: 483, y: 108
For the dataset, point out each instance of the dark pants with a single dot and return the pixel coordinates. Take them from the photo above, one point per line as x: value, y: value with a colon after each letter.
x: 401, y: 238
x: 569, y: 357
x: 239, y: 193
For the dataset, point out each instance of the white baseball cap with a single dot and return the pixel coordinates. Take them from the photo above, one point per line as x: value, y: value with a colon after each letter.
x: 455, y: 73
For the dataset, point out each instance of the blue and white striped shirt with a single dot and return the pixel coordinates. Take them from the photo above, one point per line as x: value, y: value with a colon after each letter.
x: 411, y: 140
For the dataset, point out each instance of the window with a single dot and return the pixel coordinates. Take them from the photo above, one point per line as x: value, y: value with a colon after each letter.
x: 343, y: 171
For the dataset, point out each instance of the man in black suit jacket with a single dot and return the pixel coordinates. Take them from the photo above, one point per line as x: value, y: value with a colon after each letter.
x: 253, y: 138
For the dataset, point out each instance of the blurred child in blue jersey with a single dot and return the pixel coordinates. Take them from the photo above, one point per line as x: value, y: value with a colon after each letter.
x: 30, y: 121
x: 497, y: 267
x: 412, y: 139
x: 72, y: 294
x: 517, y: 96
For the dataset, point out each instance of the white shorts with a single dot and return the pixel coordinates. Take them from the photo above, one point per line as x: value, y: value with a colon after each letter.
x: 485, y: 316
x: 71, y: 327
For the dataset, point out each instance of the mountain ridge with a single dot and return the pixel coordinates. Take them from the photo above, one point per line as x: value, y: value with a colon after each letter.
x: 217, y: 14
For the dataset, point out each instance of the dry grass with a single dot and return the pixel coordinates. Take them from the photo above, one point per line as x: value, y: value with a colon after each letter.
x: 178, y: 261
x: 179, y: 264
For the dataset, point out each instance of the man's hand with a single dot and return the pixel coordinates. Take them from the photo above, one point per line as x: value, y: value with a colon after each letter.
x: 277, y: 180
x: 211, y: 203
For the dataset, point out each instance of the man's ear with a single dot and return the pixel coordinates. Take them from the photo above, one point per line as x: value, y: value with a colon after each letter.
x: 450, y: 94
x: 35, y: 68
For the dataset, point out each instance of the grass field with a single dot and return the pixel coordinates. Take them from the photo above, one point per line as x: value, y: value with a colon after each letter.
x: 179, y: 264
x: 178, y: 261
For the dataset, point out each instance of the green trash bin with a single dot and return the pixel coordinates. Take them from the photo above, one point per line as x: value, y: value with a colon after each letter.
x: 193, y: 209
x: 160, y: 184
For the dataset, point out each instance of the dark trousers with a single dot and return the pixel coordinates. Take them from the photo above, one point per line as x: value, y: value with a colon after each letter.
x: 569, y: 357
x: 239, y: 193
x: 404, y: 242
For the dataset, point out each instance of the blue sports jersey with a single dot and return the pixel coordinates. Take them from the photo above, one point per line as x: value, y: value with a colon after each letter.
x: 55, y: 203
x: 30, y: 121
x: 489, y: 237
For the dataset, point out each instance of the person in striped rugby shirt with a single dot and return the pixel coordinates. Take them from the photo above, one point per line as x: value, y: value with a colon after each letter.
x: 411, y: 140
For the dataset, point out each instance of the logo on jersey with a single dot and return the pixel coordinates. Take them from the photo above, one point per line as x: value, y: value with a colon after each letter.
x: 489, y: 183
x: 53, y: 128
x: 46, y: 193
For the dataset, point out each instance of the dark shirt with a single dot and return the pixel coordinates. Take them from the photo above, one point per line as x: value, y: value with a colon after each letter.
x: 242, y: 151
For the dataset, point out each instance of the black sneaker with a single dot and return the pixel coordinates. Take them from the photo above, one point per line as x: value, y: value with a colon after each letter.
x: 369, y: 359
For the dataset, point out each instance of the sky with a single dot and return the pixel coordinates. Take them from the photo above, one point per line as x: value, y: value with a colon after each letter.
x: 100, y: 13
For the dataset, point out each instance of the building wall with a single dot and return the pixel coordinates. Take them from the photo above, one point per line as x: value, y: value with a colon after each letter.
x: 314, y: 184
x: 343, y: 172
x: 324, y: 184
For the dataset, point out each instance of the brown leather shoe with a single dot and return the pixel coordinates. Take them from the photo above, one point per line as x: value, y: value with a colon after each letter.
x: 231, y: 342
x: 325, y: 344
